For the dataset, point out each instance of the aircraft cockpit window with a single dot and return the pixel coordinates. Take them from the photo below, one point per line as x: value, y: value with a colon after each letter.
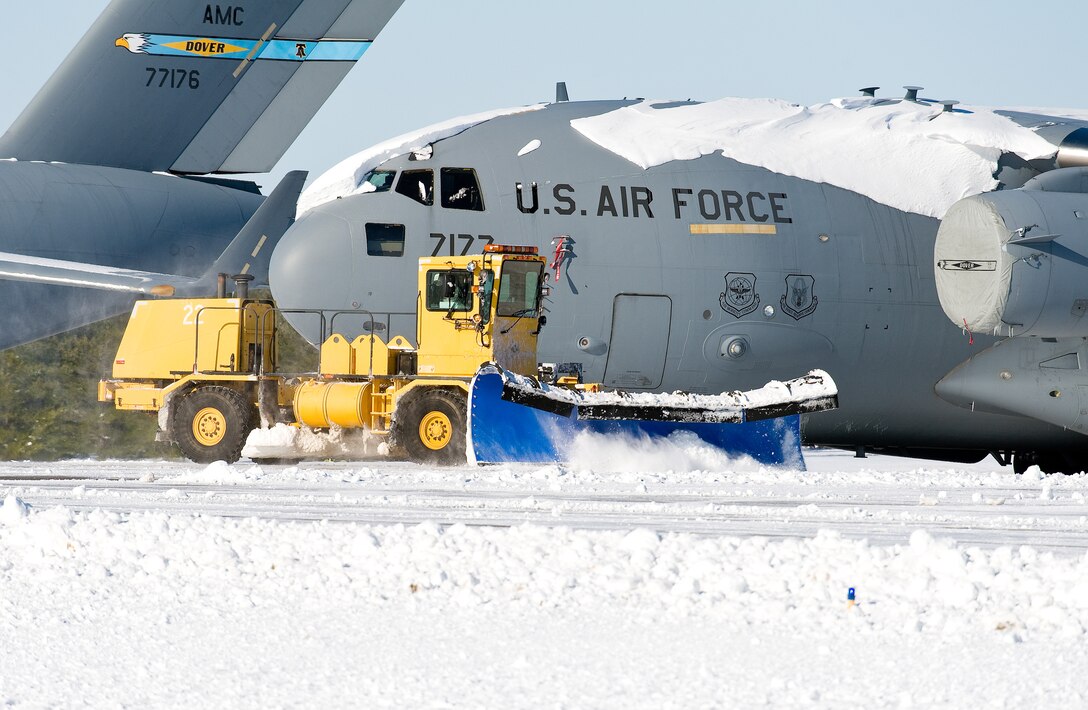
x: 519, y: 288
x: 384, y: 239
x: 461, y: 189
x: 449, y: 290
x: 378, y: 181
x: 417, y: 184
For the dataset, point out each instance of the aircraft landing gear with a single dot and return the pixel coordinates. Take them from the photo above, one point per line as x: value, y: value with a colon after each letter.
x: 1050, y: 461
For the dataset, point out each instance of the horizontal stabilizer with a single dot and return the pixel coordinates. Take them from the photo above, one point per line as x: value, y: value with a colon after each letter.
x: 248, y: 253
x: 195, y: 87
x: 16, y: 267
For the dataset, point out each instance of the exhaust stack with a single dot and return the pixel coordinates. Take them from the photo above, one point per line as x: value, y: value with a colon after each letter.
x: 241, y: 285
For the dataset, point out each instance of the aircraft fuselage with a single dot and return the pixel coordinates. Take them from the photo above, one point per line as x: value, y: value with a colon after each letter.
x: 106, y: 216
x: 702, y: 275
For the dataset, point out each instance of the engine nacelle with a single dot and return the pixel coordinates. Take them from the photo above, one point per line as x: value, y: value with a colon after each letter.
x: 1015, y: 262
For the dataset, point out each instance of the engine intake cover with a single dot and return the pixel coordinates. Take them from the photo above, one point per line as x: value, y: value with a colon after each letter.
x: 1014, y: 262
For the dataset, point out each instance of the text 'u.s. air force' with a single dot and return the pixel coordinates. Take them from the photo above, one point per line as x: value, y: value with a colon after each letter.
x: 637, y: 202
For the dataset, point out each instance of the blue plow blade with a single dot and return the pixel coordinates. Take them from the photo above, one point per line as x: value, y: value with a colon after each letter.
x: 500, y: 431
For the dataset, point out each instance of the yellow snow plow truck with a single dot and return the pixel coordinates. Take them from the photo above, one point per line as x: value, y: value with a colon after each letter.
x: 465, y: 387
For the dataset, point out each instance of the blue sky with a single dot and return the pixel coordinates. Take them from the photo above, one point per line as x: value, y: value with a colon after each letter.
x: 438, y: 59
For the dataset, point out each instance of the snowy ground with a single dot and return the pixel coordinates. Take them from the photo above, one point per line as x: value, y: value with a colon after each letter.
x: 661, y: 577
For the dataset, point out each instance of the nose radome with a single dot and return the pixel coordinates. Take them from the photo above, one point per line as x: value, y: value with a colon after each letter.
x: 311, y: 268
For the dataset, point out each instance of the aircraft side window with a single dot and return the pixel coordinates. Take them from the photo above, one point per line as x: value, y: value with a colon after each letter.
x: 461, y: 189
x: 384, y: 239
x: 378, y: 181
x: 449, y: 290
x: 417, y: 184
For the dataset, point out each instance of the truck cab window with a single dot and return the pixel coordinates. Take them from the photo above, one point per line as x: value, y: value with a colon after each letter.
x: 417, y: 184
x: 461, y: 189
x: 384, y: 239
x: 449, y: 290
x: 378, y: 181
x: 519, y: 288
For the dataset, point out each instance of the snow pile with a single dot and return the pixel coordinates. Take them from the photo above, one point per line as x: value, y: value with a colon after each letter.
x: 324, y: 586
x: 285, y: 441
x: 876, y: 149
x: 928, y: 584
x: 680, y: 451
x: 815, y: 389
x: 529, y: 147
x: 13, y: 510
x: 347, y: 176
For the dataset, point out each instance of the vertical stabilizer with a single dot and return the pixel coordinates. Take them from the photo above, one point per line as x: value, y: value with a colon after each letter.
x: 195, y: 87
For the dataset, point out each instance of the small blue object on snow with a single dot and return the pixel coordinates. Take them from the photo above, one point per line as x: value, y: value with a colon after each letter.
x: 850, y: 597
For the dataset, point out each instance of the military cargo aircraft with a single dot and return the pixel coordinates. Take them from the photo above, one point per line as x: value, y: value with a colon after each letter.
x: 707, y: 247
x: 108, y: 176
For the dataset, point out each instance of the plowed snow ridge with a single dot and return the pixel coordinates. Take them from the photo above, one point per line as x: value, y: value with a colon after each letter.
x: 632, y: 585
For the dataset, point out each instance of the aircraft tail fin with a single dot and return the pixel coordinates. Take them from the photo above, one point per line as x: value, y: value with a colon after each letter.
x: 193, y: 87
x: 248, y: 253
x: 251, y: 249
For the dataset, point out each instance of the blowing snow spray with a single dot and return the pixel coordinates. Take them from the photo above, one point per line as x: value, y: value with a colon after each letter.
x: 850, y: 598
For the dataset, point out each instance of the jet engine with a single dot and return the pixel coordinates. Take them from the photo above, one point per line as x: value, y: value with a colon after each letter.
x: 1015, y: 262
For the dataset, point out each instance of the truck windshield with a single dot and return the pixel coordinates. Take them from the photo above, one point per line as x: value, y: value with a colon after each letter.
x: 449, y: 290
x: 519, y: 288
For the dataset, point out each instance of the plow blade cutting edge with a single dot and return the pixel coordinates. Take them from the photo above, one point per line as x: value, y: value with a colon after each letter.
x: 516, y: 418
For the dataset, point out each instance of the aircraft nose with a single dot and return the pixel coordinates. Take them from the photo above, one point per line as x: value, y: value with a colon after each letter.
x: 971, y: 385
x: 309, y: 270
x: 954, y: 389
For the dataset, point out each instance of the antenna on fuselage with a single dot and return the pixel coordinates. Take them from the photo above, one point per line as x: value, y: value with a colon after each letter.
x: 561, y: 91
x: 947, y: 107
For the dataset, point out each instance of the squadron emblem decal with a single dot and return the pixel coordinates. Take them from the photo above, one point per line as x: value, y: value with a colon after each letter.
x: 739, y: 297
x: 799, y: 301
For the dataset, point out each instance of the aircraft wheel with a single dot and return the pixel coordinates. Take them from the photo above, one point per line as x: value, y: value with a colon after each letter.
x: 1049, y: 462
x: 1065, y: 463
x: 431, y: 428
x: 212, y: 424
x: 1023, y: 460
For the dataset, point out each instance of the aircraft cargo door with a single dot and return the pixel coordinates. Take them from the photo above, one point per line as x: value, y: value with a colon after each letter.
x: 639, y: 342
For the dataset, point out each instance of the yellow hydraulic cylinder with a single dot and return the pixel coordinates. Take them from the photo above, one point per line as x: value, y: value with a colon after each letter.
x: 324, y: 404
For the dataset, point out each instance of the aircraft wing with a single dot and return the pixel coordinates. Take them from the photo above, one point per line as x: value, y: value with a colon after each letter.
x: 16, y: 267
x: 248, y: 253
x: 192, y: 87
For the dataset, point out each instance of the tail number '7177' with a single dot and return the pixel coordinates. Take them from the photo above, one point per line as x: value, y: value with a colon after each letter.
x: 458, y: 244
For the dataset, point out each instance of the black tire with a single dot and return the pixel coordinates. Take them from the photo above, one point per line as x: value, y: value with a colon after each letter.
x: 1022, y: 460
x: 212, y: 423
x: 1050, y: 462
x: 1061, y: 462
x: 430, y: 427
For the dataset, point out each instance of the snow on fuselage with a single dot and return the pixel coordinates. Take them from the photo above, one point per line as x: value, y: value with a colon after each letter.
x: 711, y: 247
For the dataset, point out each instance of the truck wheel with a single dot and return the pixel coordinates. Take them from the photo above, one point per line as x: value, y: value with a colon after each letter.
x: 212, y: 424
x: 431, y: 428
